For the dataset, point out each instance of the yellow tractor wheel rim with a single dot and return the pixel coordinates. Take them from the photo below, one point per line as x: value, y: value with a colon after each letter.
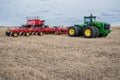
x: 15, y: 34
x: 27, y: 34
x: 87, y: 32
x: 71, y: 31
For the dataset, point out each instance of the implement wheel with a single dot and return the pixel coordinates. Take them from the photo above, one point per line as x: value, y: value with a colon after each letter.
x: 27, y: 34
x: 57, y: 33
x: 15, y: 34
x: 40, y: 33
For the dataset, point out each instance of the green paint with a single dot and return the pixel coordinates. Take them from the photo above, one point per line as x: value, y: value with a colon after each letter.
x: 91, y: 21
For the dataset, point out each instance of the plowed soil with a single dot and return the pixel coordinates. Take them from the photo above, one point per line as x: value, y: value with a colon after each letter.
x: 59, y: 57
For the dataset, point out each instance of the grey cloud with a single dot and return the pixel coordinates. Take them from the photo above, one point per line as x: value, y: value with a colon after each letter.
x: 114, y: 10
x: 44, y: 11
x: 110, y: 14
x: 44, y: 0
x: 57, y: 12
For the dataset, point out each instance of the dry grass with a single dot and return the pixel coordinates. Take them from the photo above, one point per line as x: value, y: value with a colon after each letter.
x: 51, y: 57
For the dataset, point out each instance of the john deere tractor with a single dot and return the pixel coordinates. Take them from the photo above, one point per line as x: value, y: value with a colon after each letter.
x: 90, y: 29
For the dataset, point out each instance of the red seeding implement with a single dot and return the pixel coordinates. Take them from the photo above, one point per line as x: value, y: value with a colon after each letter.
x: 36, y: 27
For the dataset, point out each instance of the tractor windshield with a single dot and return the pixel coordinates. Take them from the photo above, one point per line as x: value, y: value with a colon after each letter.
x: 88, y: 20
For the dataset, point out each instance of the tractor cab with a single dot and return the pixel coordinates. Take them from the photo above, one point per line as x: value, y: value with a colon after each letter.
x: 89, y: 20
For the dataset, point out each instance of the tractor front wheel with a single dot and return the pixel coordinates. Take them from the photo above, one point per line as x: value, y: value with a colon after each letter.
x: 89, y: 32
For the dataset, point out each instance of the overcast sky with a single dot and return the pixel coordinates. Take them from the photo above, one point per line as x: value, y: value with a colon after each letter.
x: 58, y: 12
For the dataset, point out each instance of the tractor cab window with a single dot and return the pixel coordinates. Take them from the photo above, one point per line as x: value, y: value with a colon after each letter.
x: 88, y: 20
x: 93, y: 19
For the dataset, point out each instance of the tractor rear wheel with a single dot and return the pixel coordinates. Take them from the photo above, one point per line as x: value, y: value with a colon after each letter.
x: 15, y: 34
x: 74, y: 31
x: 89, y: 32
x: 79, y: 31
x: 97, y: 31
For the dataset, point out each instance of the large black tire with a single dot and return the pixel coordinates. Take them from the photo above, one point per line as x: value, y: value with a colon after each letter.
x: 74, y: 31
x: 79, y: 31
x: 89, y: 32
x: 97, y: 32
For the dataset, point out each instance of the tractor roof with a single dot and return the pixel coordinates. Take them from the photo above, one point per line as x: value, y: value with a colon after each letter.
x: 90, y: 17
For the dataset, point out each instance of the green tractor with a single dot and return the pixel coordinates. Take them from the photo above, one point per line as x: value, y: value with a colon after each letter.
x: 90, y: 29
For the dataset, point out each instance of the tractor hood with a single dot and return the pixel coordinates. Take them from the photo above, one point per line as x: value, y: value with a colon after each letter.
x: 105, y: 27
x: 101, y: 23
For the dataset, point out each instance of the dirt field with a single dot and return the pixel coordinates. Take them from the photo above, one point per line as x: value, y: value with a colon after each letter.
x: 59, y: 57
